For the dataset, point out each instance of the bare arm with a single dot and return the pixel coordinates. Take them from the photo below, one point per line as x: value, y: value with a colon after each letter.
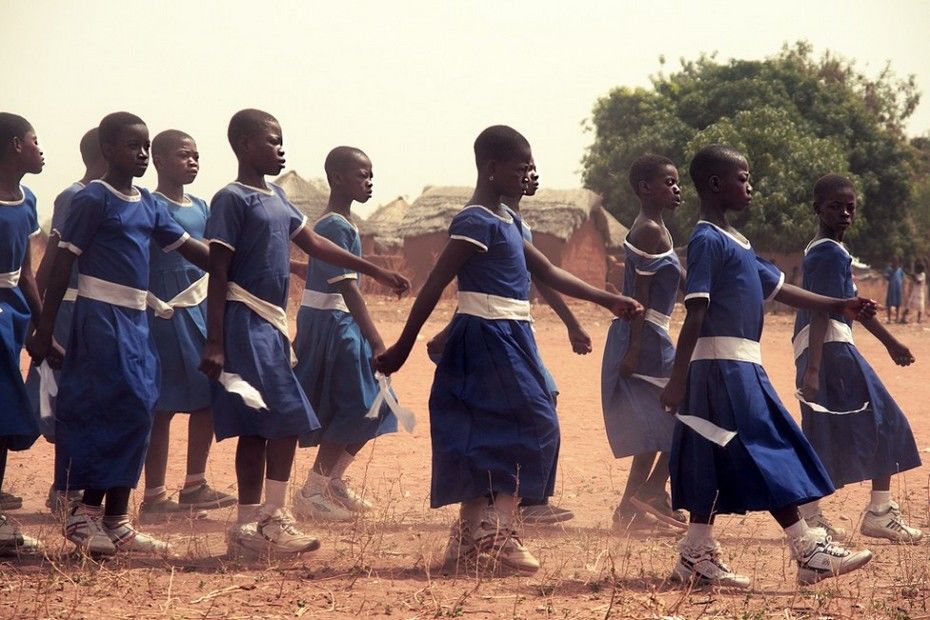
x: 810, y: 385
x: 45, y: 265
x: 356, y: 304
x: 577, y: 336
x: 300, y: 269
x: 39, y: 344
x: 27, y: 284
x: 901, y: 355
x: 196, y: 252
x: 852, y: 308
x: 674, y: 392
x: 324, y: 249
x: 214, y: 353
x: 641, y: 285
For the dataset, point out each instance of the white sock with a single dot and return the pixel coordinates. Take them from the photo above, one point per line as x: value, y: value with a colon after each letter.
x: 193, y: 480
x: 471, y: 512
x: 154, y: 492
x: 342, y: 464
x: 275, y: 493
x: 699, y: 535
x: 810, y: 509
x: 246, y: 513
x: 798, y: 530
x: 505, y: 508
x: 881, y: 501
x: 316, y: 483
x: 112, y: 521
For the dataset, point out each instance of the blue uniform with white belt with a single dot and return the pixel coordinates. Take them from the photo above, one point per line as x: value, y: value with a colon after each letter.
x: 769, y: 464
x: 109, y: 379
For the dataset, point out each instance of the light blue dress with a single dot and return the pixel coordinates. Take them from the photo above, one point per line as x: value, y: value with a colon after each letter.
x: 258, y: 226
x: 633, y: 417
x: 18, y: 223
x: 333, y: 357
x: 109, y: 380
x: 180, y: 339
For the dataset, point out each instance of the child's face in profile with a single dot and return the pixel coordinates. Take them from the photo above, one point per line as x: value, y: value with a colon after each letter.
x: 532, y: 180
x: 181, y: 164
x: 265, y: 149
x: 32, y: 157
x: 129, y: 152
x: 510, y: 175
x: 838, y: 209
x: 735, y: 189
x: 358, y: 179
x: 664, y: 188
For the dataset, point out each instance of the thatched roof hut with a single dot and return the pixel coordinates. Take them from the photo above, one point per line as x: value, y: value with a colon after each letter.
x: 569, y: 226
x: 384, y: 225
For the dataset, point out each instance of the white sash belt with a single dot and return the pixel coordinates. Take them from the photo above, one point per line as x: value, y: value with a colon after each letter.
x: 405, y: 416
x: 10, y: 280
x: 192, y: 296
x: 111, y: 292
x: 837, y: 331
x: 71, y: 294
x: 727, y: 348
x: 323, y: 301
x: 493, y: 306
x: 662, y: 321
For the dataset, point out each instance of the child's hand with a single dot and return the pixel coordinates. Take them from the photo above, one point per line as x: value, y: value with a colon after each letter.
x: 436, y: 345
x: 580, y: 340
x: 901, y: 355
x: 859, y: 308
x: 391, y: 360
x: 394, y: 281
x: 39, y: 346
x: 810, y: 384
x: 56, y: 355
x: 214, y: 358
x: 627, y: 366
x: 625, y: 307
x: 673, y: 394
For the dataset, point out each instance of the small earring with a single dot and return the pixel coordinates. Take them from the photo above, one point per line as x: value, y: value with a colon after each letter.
x: 491, y: 178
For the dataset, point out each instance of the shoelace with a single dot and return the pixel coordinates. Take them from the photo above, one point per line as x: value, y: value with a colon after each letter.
x: 833, y: 549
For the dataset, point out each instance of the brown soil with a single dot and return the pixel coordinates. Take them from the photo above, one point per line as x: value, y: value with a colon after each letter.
x: 385, y: 565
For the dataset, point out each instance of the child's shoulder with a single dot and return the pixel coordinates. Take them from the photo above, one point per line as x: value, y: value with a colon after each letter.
x: 334, y: 222
x: 480, y: 213
x: 826, y: 248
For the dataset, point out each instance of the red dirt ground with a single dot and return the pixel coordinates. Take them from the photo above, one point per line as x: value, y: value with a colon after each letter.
x: 384, y: 565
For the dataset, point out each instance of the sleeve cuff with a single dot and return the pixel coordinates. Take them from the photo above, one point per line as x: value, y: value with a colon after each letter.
x: 174, y: 246
x: 483, y: 247
x: 35, y: 232
x: 697, y: 296
x: 341, y: 277
x: 297, y: 230
x: 222, y: 243
x: 643, y: 272
x: 781, y: 283
x: 70, y: 247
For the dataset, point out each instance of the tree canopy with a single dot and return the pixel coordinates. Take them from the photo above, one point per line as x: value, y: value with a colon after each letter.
x: 796, y: 117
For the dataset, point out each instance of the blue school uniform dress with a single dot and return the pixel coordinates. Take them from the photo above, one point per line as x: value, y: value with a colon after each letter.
x: 179, y: 335
x: 895, y: 277
x: 863, y: 434
x: 333, y: 357
x: 633, y: 417
x: 62, y: 329
x: 109, y: 379
x: 492, y: 419
x: 258, y: 226
x: 18, y: 223
x: 769, y: 464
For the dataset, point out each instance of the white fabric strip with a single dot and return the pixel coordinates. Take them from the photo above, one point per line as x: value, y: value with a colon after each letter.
x: 11, y: 279
x: 493, y: 307
x: 48, y: 389
x: 707, y: 429
x: 323, y: 301
x: 268, y: 311
x: 658, y: 319
x: 727, y: 348
x: 71, y: 294
x: 405, y: 416
x: 192, y: 296
x: 657, y: 381
x: 821, y: 409
x: 175, y: 245
x: 235, y: 384
x: 837, y: 331
x: 111, y: 292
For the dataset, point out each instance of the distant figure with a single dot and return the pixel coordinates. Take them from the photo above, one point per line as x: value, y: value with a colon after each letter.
x: 894, y: 275
x: 855, y: 426
x: 917, y: 298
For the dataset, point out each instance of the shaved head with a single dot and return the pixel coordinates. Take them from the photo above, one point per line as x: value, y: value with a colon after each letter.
x: 246, y: 122
x: 341, y: 157
x: 714, y: 160
x: 90, y: 147
x: 828, y: 184
x: 167, y: 140
x: 113, y: 124
x: 500, y: 143
x: 12, y: 126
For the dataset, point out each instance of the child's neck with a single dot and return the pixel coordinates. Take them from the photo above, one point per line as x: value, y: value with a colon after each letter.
x: 120, y: 181
x: 486, y: 196
x: 9, y: 184
x: 513, y: 202
x: 651, y: 211
x: 826, y: 233
x: 251, y: 177
x: 339, y: 203
x: 715, y: 214
x: 92, y: 174
x: 170, y: 190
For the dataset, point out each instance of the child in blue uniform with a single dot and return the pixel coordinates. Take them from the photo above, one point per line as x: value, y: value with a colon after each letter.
x: 736, y: 448
x: 857, y: 429
x: 638, y: 355
x: 336, y: 340
x: 177, y: 320
x: 495, y: 434
x: 895, y: 276
x: 19, y: 300
x: 43, y: 403
x: 109, y: 377
x: 247, y: 346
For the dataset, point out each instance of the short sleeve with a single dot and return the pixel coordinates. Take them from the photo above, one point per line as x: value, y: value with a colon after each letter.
x: 227, y: 213
x: 468, y: 225
x: 346, y: 237
x: 85, y: 216
x: 705, y: 259
x: 297, y: 220
x: 826, y: 270
x: 771, y: 277
x: 167, y: 232
x: 647, y: 265
x: 60, y: 210
x: 34, y: 228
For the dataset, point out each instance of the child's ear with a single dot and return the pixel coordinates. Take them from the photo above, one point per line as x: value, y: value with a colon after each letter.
x: 490, y: 167
x: 714, y: 183
x: 17, y: 144
x: 643, y: 187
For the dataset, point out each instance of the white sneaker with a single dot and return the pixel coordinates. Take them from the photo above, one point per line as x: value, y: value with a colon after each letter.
x: 890, y: 525
x: 346, y: 496
x: 13, y: 541
x: 320, y: 507
x: 461, y: 549
x: 703, y: 565
x: 503, y: 544
x: 833, y: 531
x: 244, y: 541
x: 818, y: 557
x: 281, y: 533
x: 128, y: 539
x: 82, y: 527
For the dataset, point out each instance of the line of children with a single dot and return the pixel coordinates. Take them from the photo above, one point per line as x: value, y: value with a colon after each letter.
x: 494, y: 431
x: 336, y: 340
x: 178, y: 292
x: 19, y: 300
x: 638, y: 355
x: 855, y: 426
x: 250, y: 229
x: 717, y: 377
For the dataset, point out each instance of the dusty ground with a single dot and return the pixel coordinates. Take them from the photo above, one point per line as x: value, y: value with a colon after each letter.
x: 385, y: 565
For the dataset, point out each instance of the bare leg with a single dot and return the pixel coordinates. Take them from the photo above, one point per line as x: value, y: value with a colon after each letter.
x: 326, y: 457
x: 655, y: 485
x: 199, y: 440
x: 279, y: 456
x: 250, y: 468
x: 639, y: 473
x: 881, y: 484
x: 156, y: 460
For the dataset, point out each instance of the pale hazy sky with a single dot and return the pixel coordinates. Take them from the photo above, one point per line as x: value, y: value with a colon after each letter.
x: 411, y: 83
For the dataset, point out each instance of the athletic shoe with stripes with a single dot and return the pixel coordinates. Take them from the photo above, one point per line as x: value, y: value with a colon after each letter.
x: 702, y: 566
x: 818, y: 557
x: 13, y: 541
x: 460, y: 550
x: 83, y: 528
x: 889, y: 525
x: 128, y: 539
x: 502, y: 543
